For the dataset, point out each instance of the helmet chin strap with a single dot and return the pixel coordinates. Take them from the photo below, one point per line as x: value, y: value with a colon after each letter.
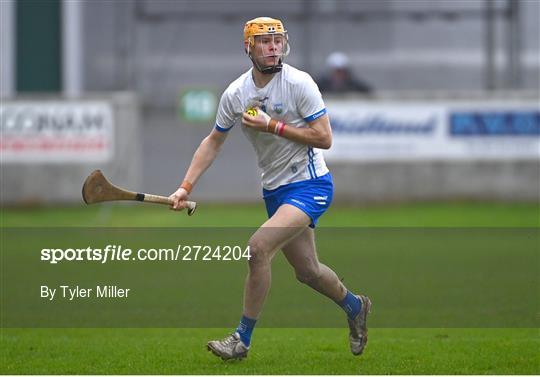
x: 268, y: 70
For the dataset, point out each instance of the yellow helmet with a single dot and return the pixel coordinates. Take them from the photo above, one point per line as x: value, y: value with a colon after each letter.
x: 262, y: 26
x: 265, y: 26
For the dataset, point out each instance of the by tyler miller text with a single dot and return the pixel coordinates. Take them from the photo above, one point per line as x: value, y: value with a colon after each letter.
x: 75, y: 292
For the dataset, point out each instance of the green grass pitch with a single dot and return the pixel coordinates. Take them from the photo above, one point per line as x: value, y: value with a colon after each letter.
x: 274, y: 350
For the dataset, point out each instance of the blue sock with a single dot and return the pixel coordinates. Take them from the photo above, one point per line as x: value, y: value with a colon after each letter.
x: 351, y: 305
x: 245, y: 328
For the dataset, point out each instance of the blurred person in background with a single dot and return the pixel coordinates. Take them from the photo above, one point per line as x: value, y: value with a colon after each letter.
x: 339, y: 78
x: 284, y: 116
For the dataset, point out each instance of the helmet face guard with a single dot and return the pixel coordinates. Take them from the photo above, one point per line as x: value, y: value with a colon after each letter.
x: 267, y: 51
x: 266, y: 44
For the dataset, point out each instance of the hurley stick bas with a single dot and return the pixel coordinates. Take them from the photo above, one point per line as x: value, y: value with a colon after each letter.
x: 97, y: 188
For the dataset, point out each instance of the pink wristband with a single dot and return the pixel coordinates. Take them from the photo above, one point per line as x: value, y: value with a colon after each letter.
x: 280, y: 127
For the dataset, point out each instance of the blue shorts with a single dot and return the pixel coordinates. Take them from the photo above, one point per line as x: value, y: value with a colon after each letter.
x: 313, y: 196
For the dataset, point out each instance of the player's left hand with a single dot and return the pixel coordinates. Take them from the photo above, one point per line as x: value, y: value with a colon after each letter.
x: 258, y: 122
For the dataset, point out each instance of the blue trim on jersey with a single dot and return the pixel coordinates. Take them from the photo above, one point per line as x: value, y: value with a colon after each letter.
x: 318, y: 114
x: 311, y: 163
x: 222, y: 129
x: 309, y: 170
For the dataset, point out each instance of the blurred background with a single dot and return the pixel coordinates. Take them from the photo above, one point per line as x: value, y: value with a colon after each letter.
x: 429, y: 100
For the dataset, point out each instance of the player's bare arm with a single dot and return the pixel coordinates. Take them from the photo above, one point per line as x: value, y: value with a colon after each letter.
x: 318, y: 134
x: 202, y: 159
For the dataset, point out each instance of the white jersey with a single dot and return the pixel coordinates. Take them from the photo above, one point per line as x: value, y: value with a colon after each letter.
x: 292, y: 97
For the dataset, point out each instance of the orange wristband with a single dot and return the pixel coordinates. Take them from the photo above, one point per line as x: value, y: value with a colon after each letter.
x: 271, y: 127
x: 276, y: 127
x: 186, y: 185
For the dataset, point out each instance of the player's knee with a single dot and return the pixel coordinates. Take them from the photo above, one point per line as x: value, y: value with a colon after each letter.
x: 258, y: 252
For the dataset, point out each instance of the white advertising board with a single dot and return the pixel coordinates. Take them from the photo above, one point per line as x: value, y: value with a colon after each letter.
x: 414, y: 131
x: 58, y: 132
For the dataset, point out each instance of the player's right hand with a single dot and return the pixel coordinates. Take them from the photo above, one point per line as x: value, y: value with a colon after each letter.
x: 258, y: 122
x: 179, y: 198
